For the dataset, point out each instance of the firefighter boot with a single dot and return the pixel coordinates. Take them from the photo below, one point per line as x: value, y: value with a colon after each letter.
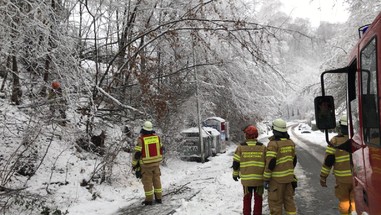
x: 147, y: 203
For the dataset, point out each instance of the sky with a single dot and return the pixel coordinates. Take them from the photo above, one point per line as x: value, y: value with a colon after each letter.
x: 317, y: 10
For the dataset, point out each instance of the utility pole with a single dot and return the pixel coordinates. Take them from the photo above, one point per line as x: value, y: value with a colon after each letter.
x: 199, y: 120
x: 198, y: 110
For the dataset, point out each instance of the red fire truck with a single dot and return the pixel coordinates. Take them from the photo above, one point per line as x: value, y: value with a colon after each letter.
x: 363, y: 107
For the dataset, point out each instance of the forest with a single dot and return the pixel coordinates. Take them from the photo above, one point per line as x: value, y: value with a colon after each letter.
x: 120, y: 63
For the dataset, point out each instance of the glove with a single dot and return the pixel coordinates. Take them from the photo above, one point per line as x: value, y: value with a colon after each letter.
x: 266, y: 185
x: 294, y: 184
x: 138, y: 174
x: 235, y: 178
x: 323, y: 181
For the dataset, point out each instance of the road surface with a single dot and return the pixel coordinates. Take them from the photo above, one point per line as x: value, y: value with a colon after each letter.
x: 315, y: 199
x: 200, y: 190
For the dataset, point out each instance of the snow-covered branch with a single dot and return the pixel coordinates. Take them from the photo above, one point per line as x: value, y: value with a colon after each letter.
x: 118, y: 102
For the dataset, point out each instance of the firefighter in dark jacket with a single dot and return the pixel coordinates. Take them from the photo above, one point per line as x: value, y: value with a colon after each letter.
x: 249, y: 164
x: 146, y: 163
x: 279, y: 177
x: 339, y: 160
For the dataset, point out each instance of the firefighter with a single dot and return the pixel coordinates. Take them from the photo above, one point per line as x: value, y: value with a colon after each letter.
x: 57, y: 100
x: 127, y: 140
x: 248, y: 165
x: 146, y: 163
x: 339, y: 160
x: 279, y: 177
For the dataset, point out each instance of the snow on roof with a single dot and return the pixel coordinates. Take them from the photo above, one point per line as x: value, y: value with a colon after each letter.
x: 211, y: 130
x: 216, y: 118
x: 190, y: 130
x: 204, y: 131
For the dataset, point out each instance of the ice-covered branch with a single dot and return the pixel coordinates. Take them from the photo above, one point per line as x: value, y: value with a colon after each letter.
x: 118, y: 102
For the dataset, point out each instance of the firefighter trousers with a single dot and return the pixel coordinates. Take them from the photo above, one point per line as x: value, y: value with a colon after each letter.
x: 281, y: 195
x: 247, y: 196
x: 151, y: 182
x: 345, y: 193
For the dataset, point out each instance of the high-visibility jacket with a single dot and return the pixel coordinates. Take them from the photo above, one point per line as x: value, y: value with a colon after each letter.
x: 283, y: 151
x: 150, y: 150
x: 249, y: 162
x: 340, y: 162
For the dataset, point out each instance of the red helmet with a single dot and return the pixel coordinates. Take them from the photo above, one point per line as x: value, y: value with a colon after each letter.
x: 56, y: 84
x: 251, y: 131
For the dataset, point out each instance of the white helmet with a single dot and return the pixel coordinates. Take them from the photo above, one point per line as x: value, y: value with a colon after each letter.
x: 343, y: 120
x: 147, y: 126
x: 279, y: 125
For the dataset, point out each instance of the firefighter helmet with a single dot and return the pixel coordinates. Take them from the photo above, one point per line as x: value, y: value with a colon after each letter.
x: 343, y: 120
x: 147, y: 126
x: 251, y: 131
x: 56, y: 85
x: 279, y: 125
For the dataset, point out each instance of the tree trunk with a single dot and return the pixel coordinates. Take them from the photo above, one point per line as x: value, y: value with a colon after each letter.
x: 16, y: 89
x: 6, y: 73
x: 43, y: 92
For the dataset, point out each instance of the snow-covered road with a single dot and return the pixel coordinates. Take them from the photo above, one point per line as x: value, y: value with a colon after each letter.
x: 208, y: 188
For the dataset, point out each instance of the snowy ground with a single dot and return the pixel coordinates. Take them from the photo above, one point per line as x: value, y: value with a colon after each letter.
x: 188, y: 187
x: 216, y: 191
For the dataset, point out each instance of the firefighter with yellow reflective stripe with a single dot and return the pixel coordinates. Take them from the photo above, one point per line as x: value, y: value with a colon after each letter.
x: 279, y: 177
x: 249, y: 164
x: 147, y: 157
x: 339, y: 160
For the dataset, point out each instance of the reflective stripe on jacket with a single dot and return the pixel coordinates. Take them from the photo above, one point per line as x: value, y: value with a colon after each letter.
x: 251, y: 158
x: 341, y: 166
x: 283, y: 151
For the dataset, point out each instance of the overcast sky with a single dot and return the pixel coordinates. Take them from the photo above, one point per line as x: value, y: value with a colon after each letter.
x: 317, y: 10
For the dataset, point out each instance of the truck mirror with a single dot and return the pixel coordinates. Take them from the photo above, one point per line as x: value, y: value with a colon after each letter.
x: 325, y: 112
